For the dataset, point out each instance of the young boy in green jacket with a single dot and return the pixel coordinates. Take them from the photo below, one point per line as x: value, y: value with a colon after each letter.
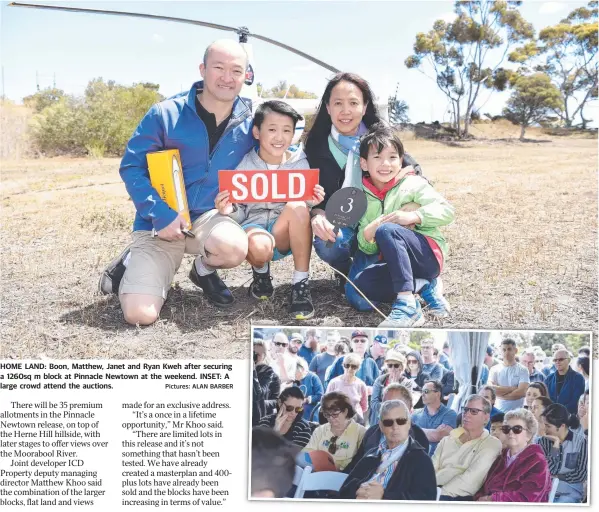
x: 398, y: 246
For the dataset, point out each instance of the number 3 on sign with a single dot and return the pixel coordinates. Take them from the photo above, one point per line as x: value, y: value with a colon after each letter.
x: 350, y: 205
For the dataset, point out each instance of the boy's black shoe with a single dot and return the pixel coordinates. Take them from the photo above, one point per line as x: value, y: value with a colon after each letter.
x: 110, y: 280
x: 301, y: 301
x: 261, y: 287
x: 214, y: 289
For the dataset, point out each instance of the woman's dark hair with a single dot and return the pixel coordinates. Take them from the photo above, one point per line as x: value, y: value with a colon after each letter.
x: 291, y: 392
x: 498, y: 418
x: 321, y: 128
x: 584, y: 363
x: 279, y: 107
x: 545, y: 400
x: 557, y: 415
x: 585, y: 351
x: 541, y: 387
x: 337, y: 400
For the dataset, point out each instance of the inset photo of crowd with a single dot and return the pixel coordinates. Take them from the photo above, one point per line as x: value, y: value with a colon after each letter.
x: 420, y: 415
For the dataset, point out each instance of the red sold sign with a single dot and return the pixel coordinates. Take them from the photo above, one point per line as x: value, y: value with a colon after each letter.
x: 277, y: 186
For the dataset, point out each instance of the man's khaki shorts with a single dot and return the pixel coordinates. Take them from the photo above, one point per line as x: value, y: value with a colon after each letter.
x: 154, y: 262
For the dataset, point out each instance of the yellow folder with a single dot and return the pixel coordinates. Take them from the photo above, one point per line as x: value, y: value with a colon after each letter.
x: 166, y: 176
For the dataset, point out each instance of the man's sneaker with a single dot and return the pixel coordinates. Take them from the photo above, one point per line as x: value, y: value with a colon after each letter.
x: 214, y: 289
x: 261, y: 287
x: 403, y: 315
x: 112, y: 275
x: 301, y: 301
x: 437, y: 305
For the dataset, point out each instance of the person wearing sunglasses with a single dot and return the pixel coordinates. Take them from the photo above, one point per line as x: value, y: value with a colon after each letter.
x: 520, y: 473
x: 565, y: 385
x: 414, y: 370
x: 398, y: 468
x: 267, y: 382
x: 566, y: 451
x: 437, y: 420
x: 368, y: 371
x: 463, y: 458
x: 395, y: 364
x: 352, y: 386
x: 288, y: 421
x: 341, y: 435
x: 283, y: 361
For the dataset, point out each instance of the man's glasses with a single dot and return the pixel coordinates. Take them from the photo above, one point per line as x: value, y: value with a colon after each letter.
x: 359, y: 340
x: 352, y: 366
x: 333, y: 445
x: 396, y: 365
x: 290, y: 408
x: 516, y: 429
x: 331, y: 414
x: 560, y: 359
x: 280, y: 344
x: 471, y: 410
x: 389, y: 421
x: 427, y: 391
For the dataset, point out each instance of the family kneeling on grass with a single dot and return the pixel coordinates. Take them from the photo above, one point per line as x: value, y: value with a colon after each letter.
x: 395, y: 251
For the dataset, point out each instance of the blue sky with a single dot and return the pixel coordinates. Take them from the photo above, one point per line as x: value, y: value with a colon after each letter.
x: 372, y: 39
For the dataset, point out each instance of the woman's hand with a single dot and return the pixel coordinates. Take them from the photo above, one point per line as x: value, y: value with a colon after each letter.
x: 322, y: 228
x: 555, y: 440
x: 317, y: 197
x: 485, y: 498
x: 283, y: 421
x: 222, y: 202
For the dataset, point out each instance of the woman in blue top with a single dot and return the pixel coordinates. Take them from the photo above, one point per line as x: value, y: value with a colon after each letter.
x: 346, y: 112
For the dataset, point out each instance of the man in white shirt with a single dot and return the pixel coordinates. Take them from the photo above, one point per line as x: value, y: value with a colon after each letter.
x: 509, y: 380
x: 283, y: 362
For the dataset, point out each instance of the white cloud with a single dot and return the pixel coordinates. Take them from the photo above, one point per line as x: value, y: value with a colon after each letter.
x: 551, y: 7
x: 157, y: 38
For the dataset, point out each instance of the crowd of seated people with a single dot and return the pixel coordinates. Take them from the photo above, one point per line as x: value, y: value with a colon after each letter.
x: 397, y: 438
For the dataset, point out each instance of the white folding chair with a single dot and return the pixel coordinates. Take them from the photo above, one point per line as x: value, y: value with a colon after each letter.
x: 320, y: 481
x: 552, y: 493
x: 297, y: 478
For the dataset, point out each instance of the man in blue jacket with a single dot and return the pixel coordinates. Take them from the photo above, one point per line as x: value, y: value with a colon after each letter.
x: 565, y: 385
x: 211, y: 127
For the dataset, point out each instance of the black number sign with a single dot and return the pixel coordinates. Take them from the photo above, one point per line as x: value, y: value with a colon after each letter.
x: 345, y: 207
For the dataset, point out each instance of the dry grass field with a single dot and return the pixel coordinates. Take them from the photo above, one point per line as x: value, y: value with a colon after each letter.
x: 523, y: 254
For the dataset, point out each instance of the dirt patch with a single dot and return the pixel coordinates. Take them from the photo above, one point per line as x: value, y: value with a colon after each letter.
x: 523, y: 254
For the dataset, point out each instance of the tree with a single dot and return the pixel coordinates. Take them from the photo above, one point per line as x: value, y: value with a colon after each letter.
x: 534, y: 99
x: 283, y: 90
x: 572, y: 342
x: 44, y: 98
x: 459, y: 52
x: 571, y: 58
x: 398, y: 109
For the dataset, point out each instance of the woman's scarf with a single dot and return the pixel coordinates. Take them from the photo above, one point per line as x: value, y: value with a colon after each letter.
x: 350, y: 146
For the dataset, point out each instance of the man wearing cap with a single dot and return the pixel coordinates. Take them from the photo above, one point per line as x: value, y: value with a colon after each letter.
x: 310, y: 347
x: 210, y: 126
x: 437, y: 420
x: 284, y: 363
x: 377, y: 351
x: 368, y: 371
x: 321, y: 362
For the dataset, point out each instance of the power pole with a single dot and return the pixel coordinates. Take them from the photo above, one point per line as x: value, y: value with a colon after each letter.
x: 37, y: 80
x: 54, y: 82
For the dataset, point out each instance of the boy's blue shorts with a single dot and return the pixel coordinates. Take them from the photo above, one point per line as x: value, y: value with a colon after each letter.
x: 277, y: 255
